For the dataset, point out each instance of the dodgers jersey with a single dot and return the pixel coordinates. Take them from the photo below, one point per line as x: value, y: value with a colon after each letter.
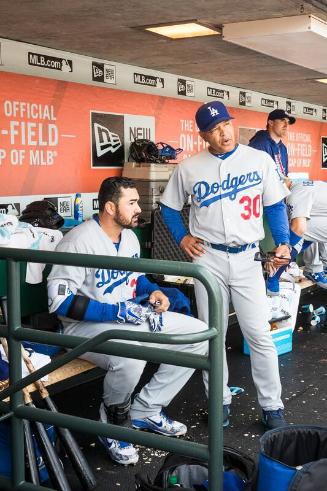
x: 307, y: 199
x: 103, y: 285
x: 227, y: 195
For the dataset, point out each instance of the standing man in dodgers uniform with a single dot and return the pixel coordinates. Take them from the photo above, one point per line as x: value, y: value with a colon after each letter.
x: 229, y: 185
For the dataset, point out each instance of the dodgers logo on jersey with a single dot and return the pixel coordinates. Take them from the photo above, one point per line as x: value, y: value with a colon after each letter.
x: 113, y: 278
x: 206, y: 193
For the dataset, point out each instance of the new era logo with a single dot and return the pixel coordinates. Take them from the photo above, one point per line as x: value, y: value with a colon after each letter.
x: 97, y: 72
x: 105, y: 140
x: 324, y: 152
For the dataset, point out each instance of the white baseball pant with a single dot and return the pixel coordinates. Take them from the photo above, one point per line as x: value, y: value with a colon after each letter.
x: 123, y: 374
x: 241, y: 281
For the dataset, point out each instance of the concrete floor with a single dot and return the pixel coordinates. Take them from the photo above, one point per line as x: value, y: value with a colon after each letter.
x: 304, y: 379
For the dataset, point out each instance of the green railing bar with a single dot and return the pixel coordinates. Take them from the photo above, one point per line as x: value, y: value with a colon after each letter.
x: 140, y: 265
x: 154, y: 354
x: 146, y: 266
x: 76, y: 423
x: 6, y: 416
x: 5, y: 485
x: 15, y: 372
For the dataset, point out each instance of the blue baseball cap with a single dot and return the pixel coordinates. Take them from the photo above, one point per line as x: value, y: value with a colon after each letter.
x: 210, y: 114
x: 280, y: 114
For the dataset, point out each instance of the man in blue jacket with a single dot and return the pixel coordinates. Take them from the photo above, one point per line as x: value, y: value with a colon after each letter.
x: 270, y: 139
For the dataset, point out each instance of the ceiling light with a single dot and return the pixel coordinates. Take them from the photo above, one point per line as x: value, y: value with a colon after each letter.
x: 322, y: 80
x: 185, y: 30
x: 300, y: 39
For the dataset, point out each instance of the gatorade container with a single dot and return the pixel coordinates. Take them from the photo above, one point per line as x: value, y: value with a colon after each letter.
x: 78, y: 208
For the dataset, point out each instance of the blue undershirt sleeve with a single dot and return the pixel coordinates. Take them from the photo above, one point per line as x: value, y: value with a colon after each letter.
x: 173, y: 220
x: 278, y: 223
x: 95, y: 312
x: 145, y: 286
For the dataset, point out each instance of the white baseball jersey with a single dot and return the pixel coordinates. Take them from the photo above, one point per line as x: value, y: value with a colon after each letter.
x: 227, y: 194
x: 309, y: 199
x: 104, y: 285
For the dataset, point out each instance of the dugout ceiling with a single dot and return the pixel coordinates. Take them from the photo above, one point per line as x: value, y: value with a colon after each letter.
x: 108, y: 30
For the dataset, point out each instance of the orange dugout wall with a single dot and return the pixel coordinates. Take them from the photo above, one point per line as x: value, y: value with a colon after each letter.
x: 60, y: 137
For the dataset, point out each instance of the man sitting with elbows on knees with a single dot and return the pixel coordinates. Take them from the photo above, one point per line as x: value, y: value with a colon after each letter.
x: 307, y: 210
x: 90, y: 301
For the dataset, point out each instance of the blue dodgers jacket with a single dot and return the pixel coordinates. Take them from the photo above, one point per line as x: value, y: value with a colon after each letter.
x: 278, y: 151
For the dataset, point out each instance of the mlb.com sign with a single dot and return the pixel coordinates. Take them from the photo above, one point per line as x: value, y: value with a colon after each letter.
x: 50, y: 62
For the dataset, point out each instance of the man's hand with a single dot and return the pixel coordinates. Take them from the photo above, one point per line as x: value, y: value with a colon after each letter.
x: 282, y: 256
x: 159, y: 301
x: 192, y: 246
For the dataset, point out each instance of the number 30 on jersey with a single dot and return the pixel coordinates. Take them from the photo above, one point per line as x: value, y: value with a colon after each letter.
x: 251, y: 206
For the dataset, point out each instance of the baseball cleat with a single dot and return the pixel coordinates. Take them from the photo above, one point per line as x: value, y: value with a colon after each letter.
x: 273, y: 419
x: 160, y: 424
x: 121, y: 452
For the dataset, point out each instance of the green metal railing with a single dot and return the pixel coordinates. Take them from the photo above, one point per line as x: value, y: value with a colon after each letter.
x: 15, y: 333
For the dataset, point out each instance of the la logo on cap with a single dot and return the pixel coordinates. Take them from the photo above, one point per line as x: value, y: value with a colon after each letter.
x: 213, y: 111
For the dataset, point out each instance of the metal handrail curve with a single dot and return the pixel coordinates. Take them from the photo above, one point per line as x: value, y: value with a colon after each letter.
x: 15, y: 333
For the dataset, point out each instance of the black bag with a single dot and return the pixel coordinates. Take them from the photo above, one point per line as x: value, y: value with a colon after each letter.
x: 42, y: 214
x: 192, y: 474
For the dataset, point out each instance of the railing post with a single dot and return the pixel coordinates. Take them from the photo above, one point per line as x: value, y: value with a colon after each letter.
x: 215, y: 403
x: 216, y: 344
x: 15, y: 363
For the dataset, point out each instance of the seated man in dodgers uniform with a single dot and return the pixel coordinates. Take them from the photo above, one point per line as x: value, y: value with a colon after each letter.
x: 90, y: 301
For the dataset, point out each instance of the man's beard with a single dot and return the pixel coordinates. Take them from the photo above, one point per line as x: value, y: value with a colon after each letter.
x: 123, y: 222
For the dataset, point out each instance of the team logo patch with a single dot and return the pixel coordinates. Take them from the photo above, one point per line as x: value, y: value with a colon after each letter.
x: 213, y: 111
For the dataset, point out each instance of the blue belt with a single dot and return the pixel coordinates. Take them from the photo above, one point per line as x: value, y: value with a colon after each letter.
x: 231, y: 249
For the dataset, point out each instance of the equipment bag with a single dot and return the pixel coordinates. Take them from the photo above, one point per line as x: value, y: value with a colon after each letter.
x: 191, y: 474
x: 143, y: 150
x: 293, y: 458
x: 42, y: 214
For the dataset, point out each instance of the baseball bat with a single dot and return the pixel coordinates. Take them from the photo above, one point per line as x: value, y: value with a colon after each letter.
x: 52, y: 461
x: 29, y: 445
x: 50, y: 456
x: 70, y: 445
